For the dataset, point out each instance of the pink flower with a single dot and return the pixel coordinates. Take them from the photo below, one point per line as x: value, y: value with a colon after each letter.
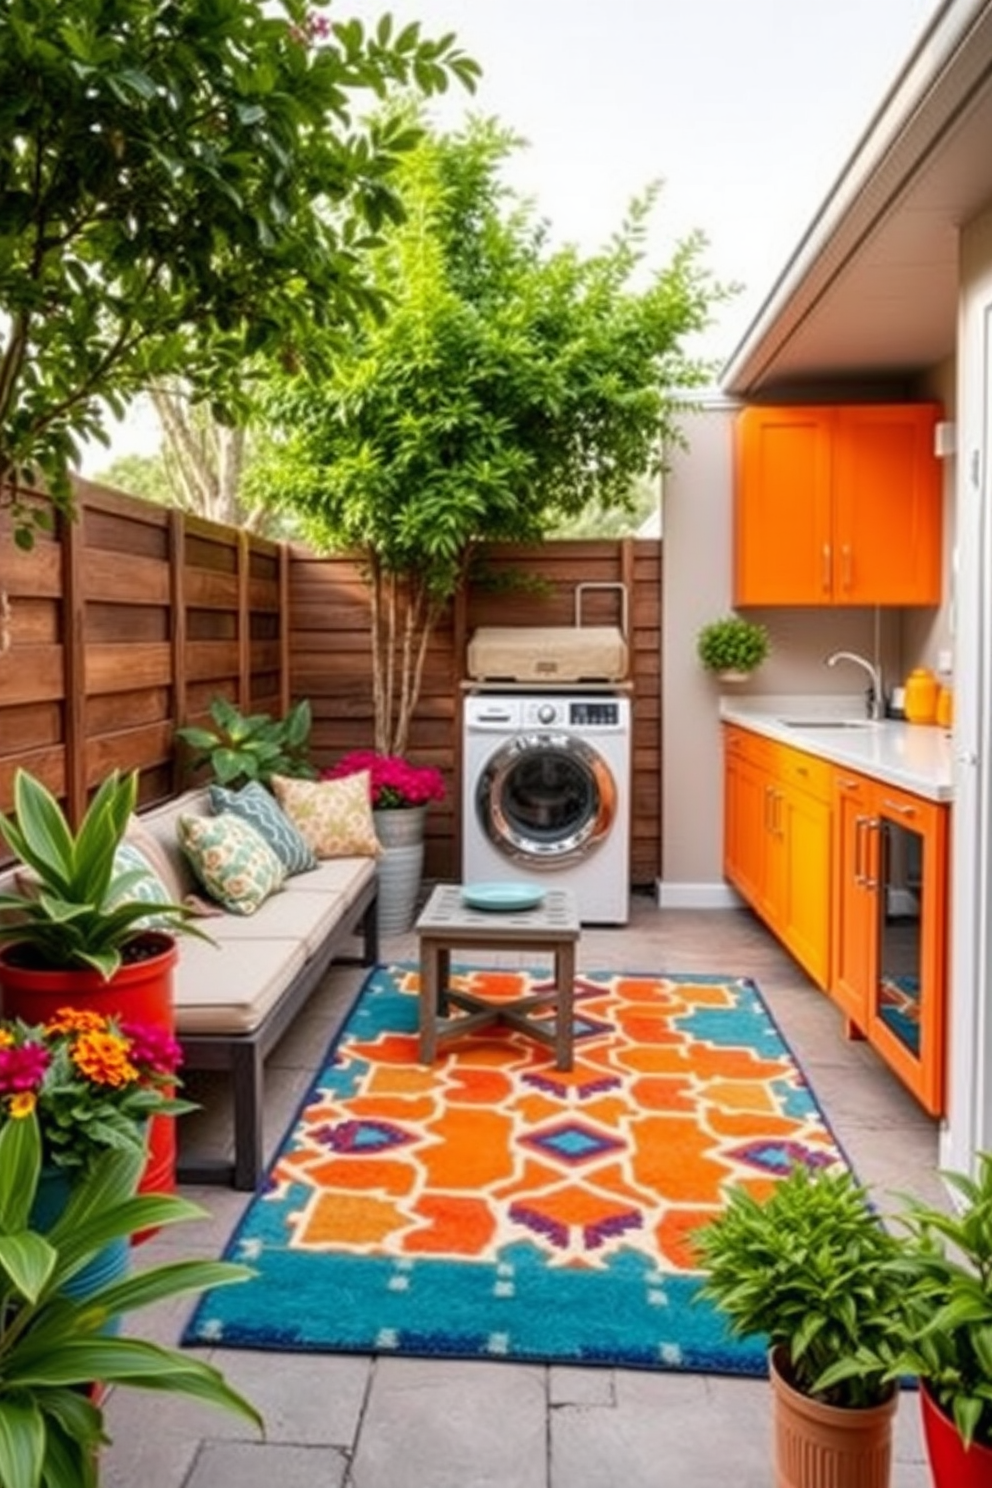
x: 394, y: 781
x: 22, y: 1067
x: 152, y: 1048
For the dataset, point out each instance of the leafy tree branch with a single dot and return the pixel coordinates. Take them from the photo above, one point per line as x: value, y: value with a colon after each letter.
x: 507, y: 389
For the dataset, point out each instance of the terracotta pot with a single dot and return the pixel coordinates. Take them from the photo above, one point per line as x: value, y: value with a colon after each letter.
x: 140, y: 990
x: 952, y: 1464
x: 828, y: 1446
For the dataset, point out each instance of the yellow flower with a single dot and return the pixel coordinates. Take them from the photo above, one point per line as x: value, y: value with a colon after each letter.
x: 22, y: 1104
x: 102, y: 1058
x: 75, y: 1020
x: 6, y: 1038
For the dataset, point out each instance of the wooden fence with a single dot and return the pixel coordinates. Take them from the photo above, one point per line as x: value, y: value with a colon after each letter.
x: 124, y: 624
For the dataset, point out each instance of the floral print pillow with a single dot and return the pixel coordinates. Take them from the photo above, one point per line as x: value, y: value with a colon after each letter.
x: 333, y: 816
x: 235, y: 865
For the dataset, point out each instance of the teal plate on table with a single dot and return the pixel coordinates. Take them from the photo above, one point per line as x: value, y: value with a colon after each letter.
x: 504, y: 896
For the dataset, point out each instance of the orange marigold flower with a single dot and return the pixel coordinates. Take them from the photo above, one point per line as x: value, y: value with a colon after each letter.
x: 22, y: 1104
x: 75, y: 1020
x: 6, y: 1038
x: 102, y: 1058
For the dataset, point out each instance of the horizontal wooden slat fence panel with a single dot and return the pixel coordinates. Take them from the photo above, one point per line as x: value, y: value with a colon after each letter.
x: 330, y: 654
x: 128, y: 622
x: 123, y: 625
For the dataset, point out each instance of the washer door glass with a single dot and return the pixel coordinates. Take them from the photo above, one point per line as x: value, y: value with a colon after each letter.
x: 546, y: 800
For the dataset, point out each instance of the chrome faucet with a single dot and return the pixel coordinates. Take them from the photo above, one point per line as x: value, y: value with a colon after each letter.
x: 875, y: 698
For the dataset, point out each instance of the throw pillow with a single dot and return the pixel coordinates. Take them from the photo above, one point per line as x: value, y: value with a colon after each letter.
x: 334, y: 816
x: 147, y: 888
x: 234, y: 864
x: 157, y: 857
x: 259, y: 807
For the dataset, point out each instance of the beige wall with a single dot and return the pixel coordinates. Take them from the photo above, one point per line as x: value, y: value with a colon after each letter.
x: 697, y: 534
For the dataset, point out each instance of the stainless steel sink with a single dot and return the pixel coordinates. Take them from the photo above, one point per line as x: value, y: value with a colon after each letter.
x: 828, y: 723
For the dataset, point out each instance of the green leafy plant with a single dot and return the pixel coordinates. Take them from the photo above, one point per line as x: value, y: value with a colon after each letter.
x: 254, y: 746
x: 53, y: 1345
x: 92, y: 1082
x: 946, y: 1271
x: 811, y: 1268
x: 732, y: 644
x: 182, y: 188
x: 77, y: 912
x: 509, y: 388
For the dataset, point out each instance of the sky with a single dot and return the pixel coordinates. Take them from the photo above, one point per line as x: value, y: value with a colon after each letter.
x: 746, y: 110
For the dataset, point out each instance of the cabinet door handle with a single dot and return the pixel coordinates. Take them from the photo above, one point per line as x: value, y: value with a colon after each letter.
x: 769, y: 798
x: 859, y: 838
x: 899, y: 809
x: 826, y: 567
x: 871, y: 877
x: 847, y: 566
x: 850, y: 785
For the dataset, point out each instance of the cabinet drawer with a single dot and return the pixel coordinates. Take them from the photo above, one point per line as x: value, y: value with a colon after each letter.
x: 754, y: 748
x: 806, y: 772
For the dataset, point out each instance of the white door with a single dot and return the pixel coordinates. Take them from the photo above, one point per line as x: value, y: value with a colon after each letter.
x: 969, y: 1119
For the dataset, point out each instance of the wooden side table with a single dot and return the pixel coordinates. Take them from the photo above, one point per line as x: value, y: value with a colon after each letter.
x: 448, y: 922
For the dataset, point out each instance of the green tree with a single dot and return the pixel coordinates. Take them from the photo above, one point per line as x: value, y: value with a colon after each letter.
x: 508, y: 388
x: 182, y: 186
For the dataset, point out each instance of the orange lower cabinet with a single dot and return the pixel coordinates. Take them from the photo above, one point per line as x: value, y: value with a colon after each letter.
x: 854, y: 902
x: 908, y: 1010
x: 777, y: 842
x: 804, y: 909
x: 888, y: 969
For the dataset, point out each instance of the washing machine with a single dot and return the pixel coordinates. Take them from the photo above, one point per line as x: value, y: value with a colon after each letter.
x: 546, y: 796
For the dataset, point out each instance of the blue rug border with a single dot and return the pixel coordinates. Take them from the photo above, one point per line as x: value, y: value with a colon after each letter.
x: 190, y: 1338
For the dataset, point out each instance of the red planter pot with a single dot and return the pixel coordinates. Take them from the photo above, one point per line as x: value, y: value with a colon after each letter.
x: 952, y: 1464
x: 140, y: 990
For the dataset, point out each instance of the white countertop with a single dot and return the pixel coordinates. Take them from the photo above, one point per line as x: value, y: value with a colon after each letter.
x: 917, y: 757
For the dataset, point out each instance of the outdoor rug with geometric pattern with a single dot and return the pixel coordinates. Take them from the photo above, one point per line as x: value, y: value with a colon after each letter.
x: 492, y: 1206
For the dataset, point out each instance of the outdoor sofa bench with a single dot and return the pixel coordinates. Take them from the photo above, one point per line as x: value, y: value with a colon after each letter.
x: 235, y: 998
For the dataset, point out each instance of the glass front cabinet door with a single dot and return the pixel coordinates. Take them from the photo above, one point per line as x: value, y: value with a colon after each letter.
x: 908, y: 1012
x: 888, y: 970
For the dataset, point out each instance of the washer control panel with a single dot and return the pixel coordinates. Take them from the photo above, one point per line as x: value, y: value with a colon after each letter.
x: 574, y: 713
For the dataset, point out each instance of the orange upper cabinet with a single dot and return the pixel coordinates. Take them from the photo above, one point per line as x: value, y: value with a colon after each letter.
x: 837, y: 505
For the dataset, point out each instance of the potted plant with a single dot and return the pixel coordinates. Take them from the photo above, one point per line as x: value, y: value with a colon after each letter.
x: 73, y: 935
x: 946, y: 1271
x: 54, y: 1346
x: 93, y: 1085
x: 810, y: 1268
x: 401, y: 793
x: 732, y: 647
x: 251, y: 747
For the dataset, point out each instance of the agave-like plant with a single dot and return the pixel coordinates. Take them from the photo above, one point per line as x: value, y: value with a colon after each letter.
x: 54, y: 1346
x: 77, y: 912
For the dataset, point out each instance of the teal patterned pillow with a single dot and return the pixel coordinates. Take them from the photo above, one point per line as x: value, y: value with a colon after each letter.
x: 147, y: 889
x: 259, y: 807
x: 234, y: 864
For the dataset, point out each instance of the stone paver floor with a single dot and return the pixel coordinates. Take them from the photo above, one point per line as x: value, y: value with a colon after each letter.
x: 341, y: 1421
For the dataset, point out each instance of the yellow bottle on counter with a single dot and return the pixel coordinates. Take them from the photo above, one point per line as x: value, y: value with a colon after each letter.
x: 921, y: 696
x: 944, y: 716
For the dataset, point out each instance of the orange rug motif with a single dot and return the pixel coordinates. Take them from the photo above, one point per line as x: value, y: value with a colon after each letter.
x: 493, y: 1175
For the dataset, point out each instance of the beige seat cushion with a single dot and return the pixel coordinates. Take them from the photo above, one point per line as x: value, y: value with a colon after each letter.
x: 229, y: 988
x: 306, y: 919
x: 344, y: 876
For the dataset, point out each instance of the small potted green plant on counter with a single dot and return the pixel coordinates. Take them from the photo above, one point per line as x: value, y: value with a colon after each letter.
x: 732, y: 647
x: 811, y: 1269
